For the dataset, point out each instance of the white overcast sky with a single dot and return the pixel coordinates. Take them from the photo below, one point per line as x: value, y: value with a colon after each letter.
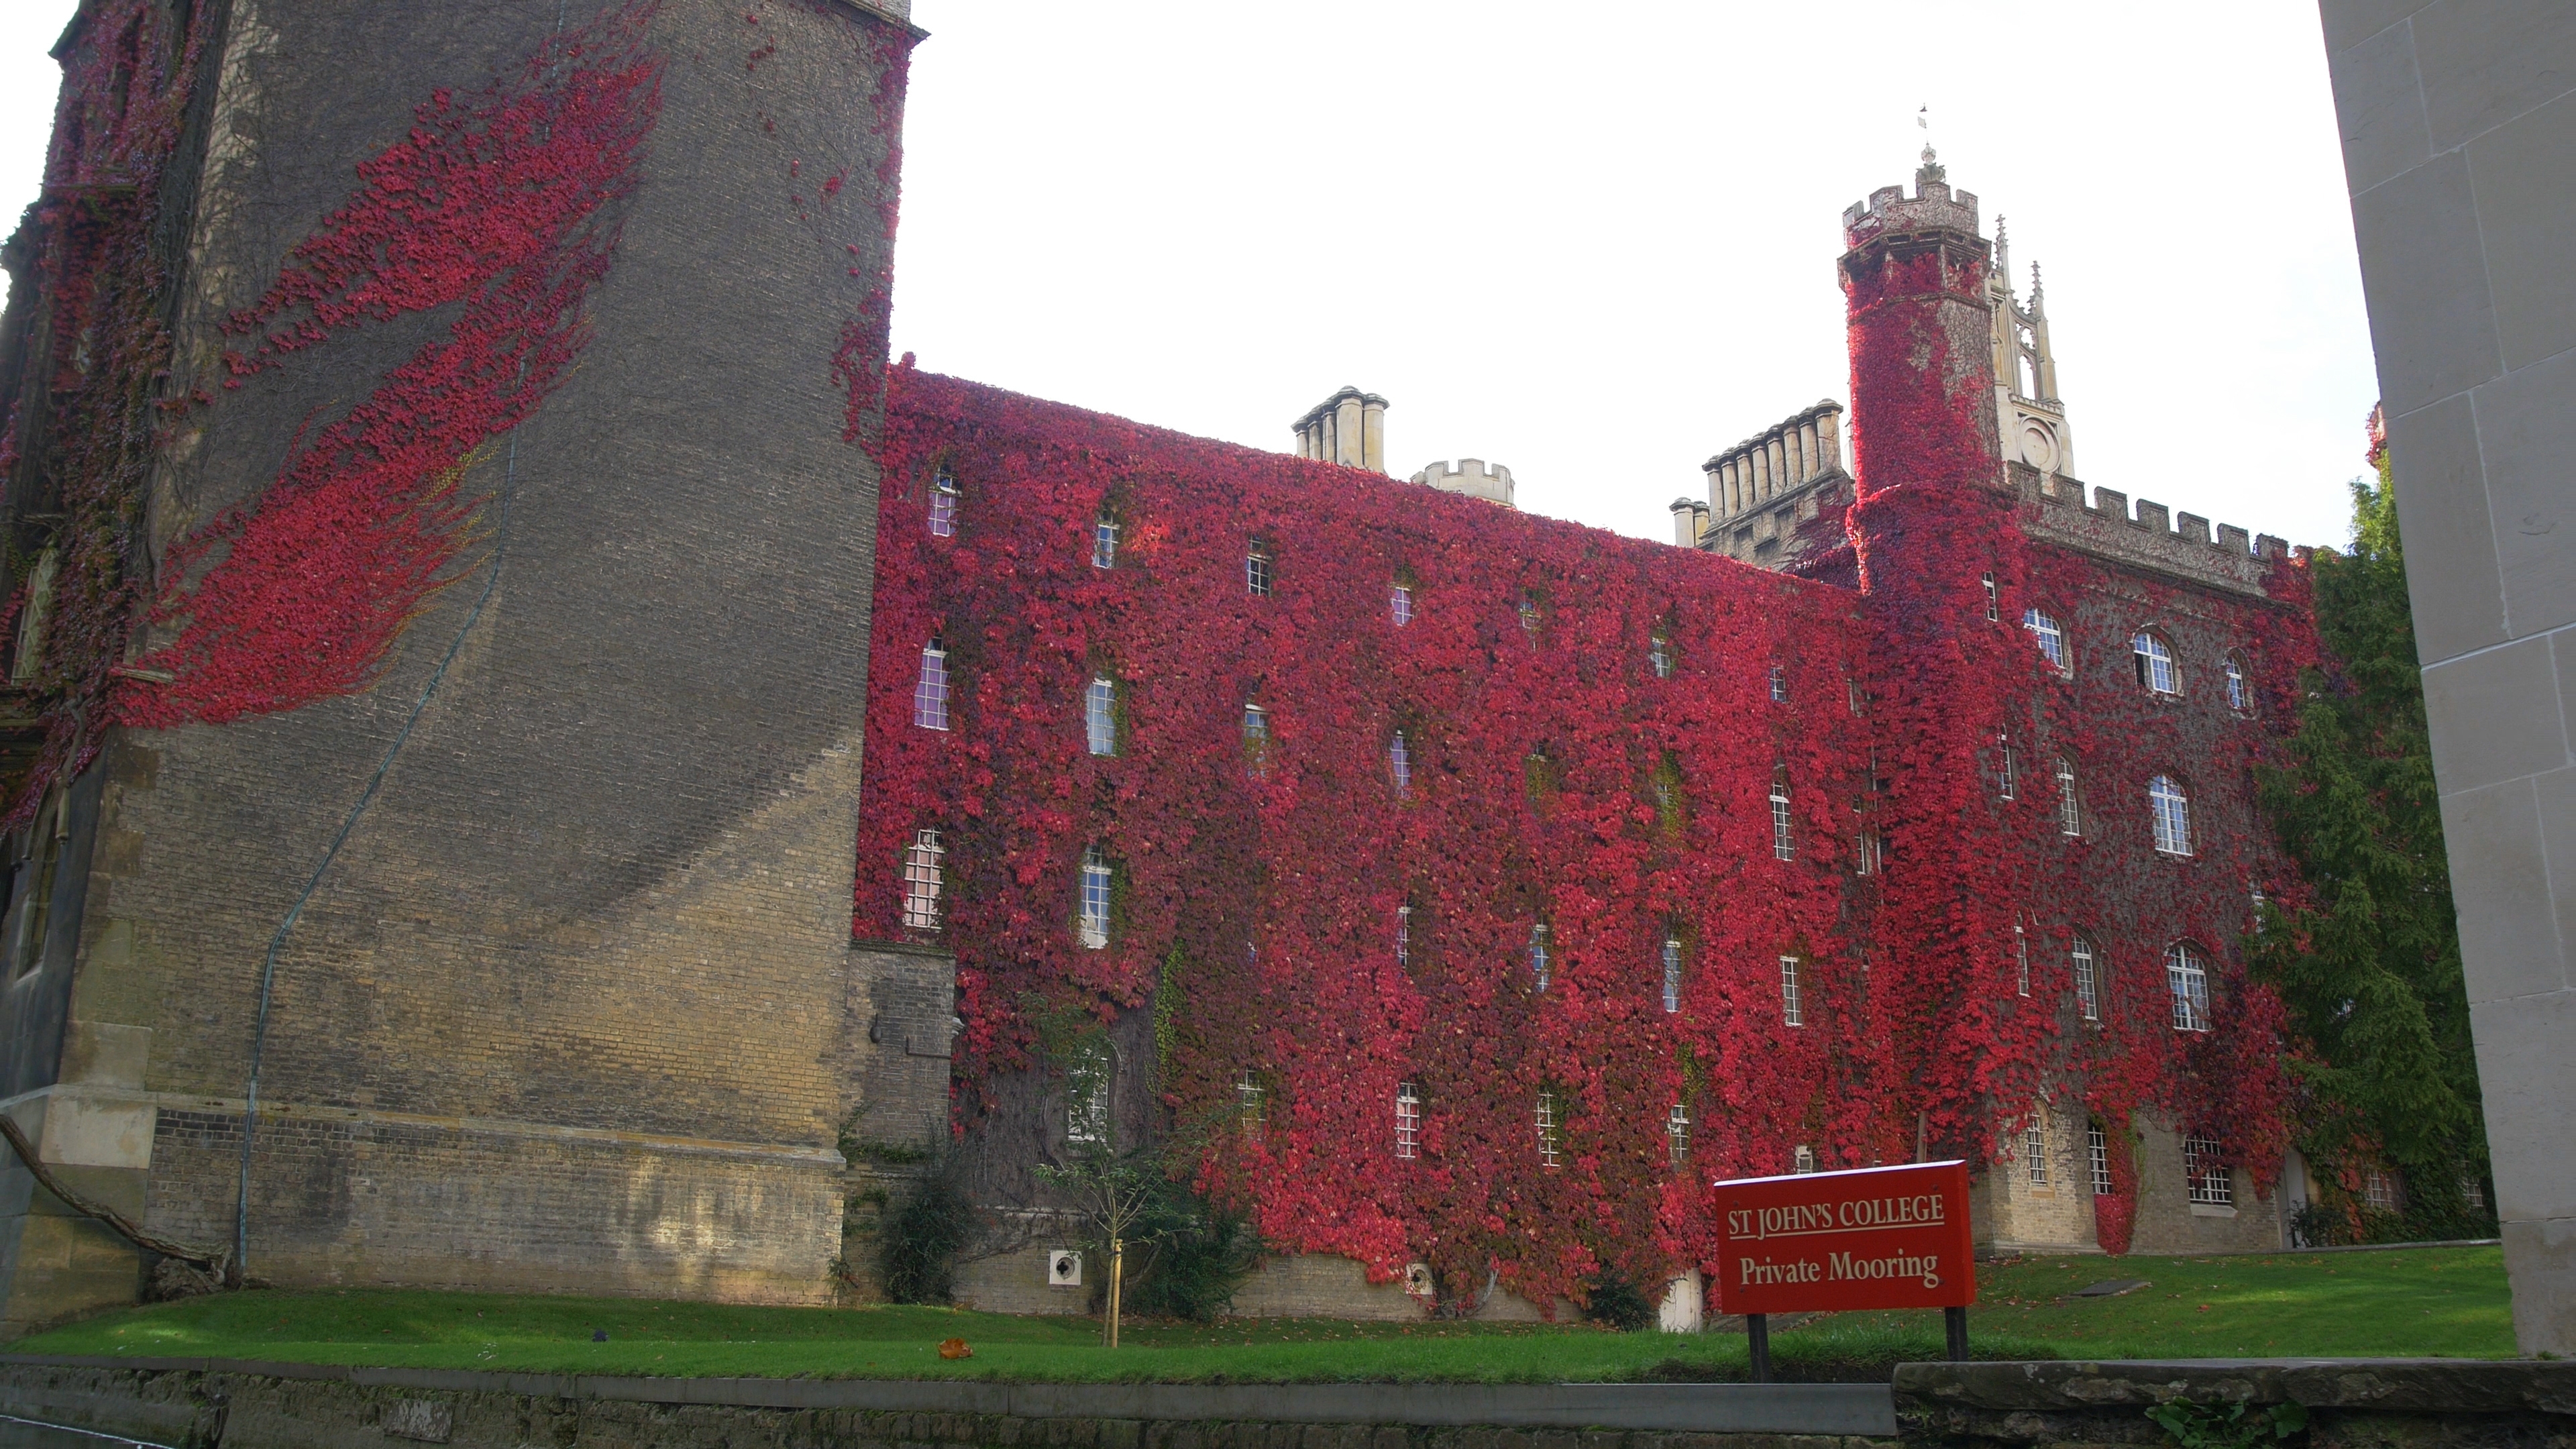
x: 1597, y: 243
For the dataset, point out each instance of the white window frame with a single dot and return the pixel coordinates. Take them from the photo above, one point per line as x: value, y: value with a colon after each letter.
x: 1092, y: 928
x: 1408, y: 1120
x: 2021, y: 960
x: 2034, y: 1151
x: 924, y: 874
x: 1784, y: 838
x: 1659, y: 655
x: 1399, y: 763
x: 930, y: 693
x: 1100, y: 715
x: 1529, y: 612
x: 1399, y: 603
x: 2207, y: 1182
x: 1866, y: 857
x: 1538, y: 955
x: 1256, y: 739
x: 2070, y: 805
x: 1677, y: 1125
x: 2240, y: 690
x: 1779, y: 684
x: 1551, y: 1139
x: 2049, y: 635
x: 2088, y: 982
x: 1251, y: 1103
x: 2187, y: 982
x: 946, y: 503
x: 2379, y: 1189
x: 1258, y: 575
x: 1793, y: 996
x: 1088, y: 1079
x: 2158, y: 672
x: 2006, y: 778
x: 1104, y: 542
x: 1994, y: 598
x: 2097, y: 1160
x: 1404, y: 935
x: 2169, y: 810
x: 1802, y: 1161
x: 1672, y: 961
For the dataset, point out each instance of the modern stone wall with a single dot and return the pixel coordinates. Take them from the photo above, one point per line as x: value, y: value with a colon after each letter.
x: 571, y: 1008
x: 2457, y: 124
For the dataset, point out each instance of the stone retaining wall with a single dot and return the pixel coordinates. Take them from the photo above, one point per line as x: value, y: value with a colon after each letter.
x: 201, y: 1404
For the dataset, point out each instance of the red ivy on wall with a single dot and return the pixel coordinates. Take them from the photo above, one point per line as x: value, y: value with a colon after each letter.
x: 1257, y: 897
x: 498, y: 202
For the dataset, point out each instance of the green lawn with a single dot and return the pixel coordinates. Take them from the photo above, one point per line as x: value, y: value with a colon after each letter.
x: 2447, y: 1301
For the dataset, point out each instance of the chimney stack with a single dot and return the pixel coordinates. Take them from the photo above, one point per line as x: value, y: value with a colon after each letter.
x: 1348, y: 428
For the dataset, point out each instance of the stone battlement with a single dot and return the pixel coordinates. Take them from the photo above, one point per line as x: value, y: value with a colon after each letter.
x: 1889, y: 211
x: 2183, y: 544
x: 1473, y: 477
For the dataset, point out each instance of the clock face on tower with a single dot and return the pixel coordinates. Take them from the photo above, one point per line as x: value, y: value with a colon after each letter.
x: 2039, y: 445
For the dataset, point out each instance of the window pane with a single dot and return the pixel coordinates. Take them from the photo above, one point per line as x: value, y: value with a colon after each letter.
x: 930, y: 694
x: 1793, y: 1009
x: 1100, y: 716
x: 1104, y: 544
x: 1094, y: 928
x: 921, y: 881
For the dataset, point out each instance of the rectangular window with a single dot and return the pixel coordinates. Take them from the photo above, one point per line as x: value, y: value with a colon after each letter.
x: 1404, y: 935
x: 2379, y: 1189
x: 2004, y: 774
x: 1793, y: 1008
x: 2070, y: 816
x: 2021, y: 960
x: 1802, y: 1161
x: 1086, y: 1094
x: 2188, y: 981
x: 1551, y: 1146
x: 1408, y: 1120
x: 2208, y: 1179
x: 2050, y: 635
x: 2172, y: 812
x: 1866, y: 854
x: 1100, y: 715
x: 1250, y: 1104
x: 2088, y: 992
x: 1093, y: 930
x: 1538, y: 956
x: 921, y: 881
x: 2034, y: 1153
x: 1399, y: 763
x: 1104, y: 543
x: 1399, y: 604
x: 1784, y: 844
x: 1659, y: 654
x: 1779, y: 685
x: 1256, y: 571
x: 2097, y: 1159
x: 1672, y: 974
x: 1256, y: 740
x: 930, y: 694
x: 1677, y: 1135
x: 1994, y: 598
x: 944, y: 502
x: 1529, y: 617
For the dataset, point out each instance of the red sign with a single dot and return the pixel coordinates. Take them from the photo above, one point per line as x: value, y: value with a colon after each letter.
x: 1873, y: 1237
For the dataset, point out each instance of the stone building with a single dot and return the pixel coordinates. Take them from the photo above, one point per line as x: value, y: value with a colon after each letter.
x: 2008, y: 801
x: 539, y: 762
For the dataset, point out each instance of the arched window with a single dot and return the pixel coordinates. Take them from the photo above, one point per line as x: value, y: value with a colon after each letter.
x: 2088, y: 982
x: 2172, y: 811
x: 2070, y: 810
x: 945, y: 501
x: 1100, y: 715
x: 1672, y: 973
x: 1408, y: 1120
x: 1399, y: 604
x: 930, y: 694
x: 2155, y: 659
x: 2049, y: 635
x: 1399, y: 763
x: 922, y: 878
x: 1104, y: 541
x: 1784, y: 842
x: 2187, y: 978
x: 1093, y: 929
x: 1256, y: 570
x: 1793, y: 1003
x: 1538, y: 955
x: 2240, y: 690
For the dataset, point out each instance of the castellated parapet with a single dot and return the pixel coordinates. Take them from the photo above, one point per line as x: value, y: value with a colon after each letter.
x: 2180, y: 545
x: 1473, y: 477
x: 1890, y: 212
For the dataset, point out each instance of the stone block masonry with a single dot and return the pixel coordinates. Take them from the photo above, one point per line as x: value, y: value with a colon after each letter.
x: 570, y: 1008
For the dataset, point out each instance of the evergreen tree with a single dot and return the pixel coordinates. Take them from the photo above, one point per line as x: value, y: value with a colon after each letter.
x: 2370, y: 966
